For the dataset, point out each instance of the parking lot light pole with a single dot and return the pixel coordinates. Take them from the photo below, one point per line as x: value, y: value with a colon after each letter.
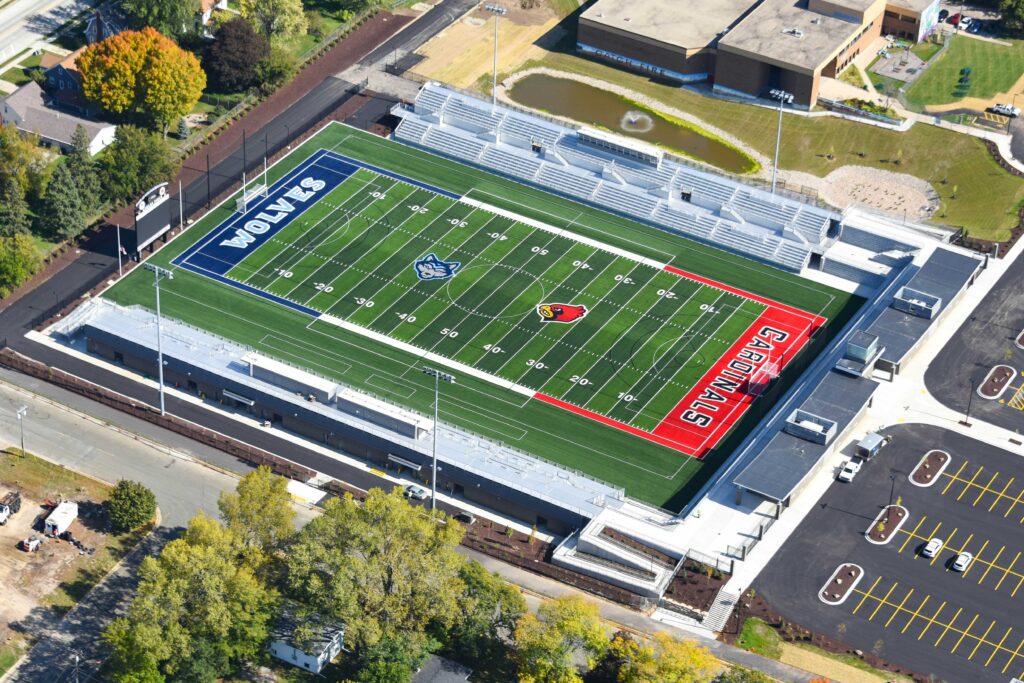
x: 498, y: 11
x: 158, y: 273
x: 22, y: 412
x: 967, y: 415
x: 784, y: 98
x: 892, y: 487
x: 439, y: 377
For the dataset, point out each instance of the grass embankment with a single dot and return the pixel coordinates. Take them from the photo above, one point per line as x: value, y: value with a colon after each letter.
x: 986, y: 197
x: 994, y: 68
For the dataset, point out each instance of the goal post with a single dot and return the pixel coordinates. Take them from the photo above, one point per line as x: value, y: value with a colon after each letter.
x: 762, y: 378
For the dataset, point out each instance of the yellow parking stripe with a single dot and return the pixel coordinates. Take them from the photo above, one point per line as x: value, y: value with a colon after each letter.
x: 899, y: 608
x: 916, y: 613
x: 1001, y: 495
x: 1013, y: 504
x: 963, y: 634
x: 873, y: 586
x: 976, y: 560
x: 985, y: 489
x: 970, y: 483
x: 1006, y: 572
x: 883, y: 600
x: 991, y: 564
x: 945, y: 546
x: 957, y: 552
x: 932, y: 620
x: 981, y: 640
x: 911, y: 534
x: 1016, y: 653
x: 998, y: 647
x: 948, y: 626
x: 1014, y: 593
x: 954, y: 477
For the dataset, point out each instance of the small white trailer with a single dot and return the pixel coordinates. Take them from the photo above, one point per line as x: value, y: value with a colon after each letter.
x: 61, y: 518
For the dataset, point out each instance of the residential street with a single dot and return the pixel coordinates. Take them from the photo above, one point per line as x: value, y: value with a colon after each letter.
x: 23, y: 22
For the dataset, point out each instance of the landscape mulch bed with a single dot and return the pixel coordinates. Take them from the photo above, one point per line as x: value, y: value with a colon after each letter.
x: 841, y: 583
x: 642, y: 548
x: 893, y: 515
x: 696, y: 587
x: 996, y: 381
x: 929, y: 467
x: 794, y: 633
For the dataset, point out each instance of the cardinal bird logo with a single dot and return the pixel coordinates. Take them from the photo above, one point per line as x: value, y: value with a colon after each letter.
x: 561, y: 313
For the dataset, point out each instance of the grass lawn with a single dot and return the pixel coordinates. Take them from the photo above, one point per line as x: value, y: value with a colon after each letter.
x: 759, y: 637
x: 852, y: 76
x: 41, y: 479
x: 564, y: 8
x: 648, y: 471
x: 994, y: 69
x: 16, y: 75
x: 9, y: 654
x: 926, y: 50
x: 987, y: 196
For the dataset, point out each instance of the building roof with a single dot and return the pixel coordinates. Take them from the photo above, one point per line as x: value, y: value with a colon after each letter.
x: 323, y: 630
x: 440, y: 670
x: 691, y: 24
x: 29, y: 102
x: 48, y: 59
x: 788, y: 34
x: 71, y: 61
x: 912, y: 5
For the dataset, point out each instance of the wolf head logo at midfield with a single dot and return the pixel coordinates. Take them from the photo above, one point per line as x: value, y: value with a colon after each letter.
x: 561, y: 313
x: 430, y: 267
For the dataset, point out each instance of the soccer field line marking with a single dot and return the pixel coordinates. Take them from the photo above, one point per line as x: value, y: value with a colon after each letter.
x: 391, y: 230
x: 625, y: 333
x: 647, y: 378
x: 330, y: 259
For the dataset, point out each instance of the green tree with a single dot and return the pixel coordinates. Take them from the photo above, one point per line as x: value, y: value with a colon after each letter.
x: 384, y: 568
x: 389, y: 660
x: 19, y: 261
x: 182, y: 128
x: 135, y: 161
x: 275, y: 19
x: 664, y: 659
x: 488, y: 612
x: 131, y: 505
x: 277, y: 69
x: 547, y: 643
x: 22, y: 159
x: 13, y: 207
x: 259, y: 513
x: 740, y: 674
x: 63, y: 213
x: 80, y: 162
x: 196, y: 611
x: 232, y: 57
x: 1013, y: 12
x: 172, y: 18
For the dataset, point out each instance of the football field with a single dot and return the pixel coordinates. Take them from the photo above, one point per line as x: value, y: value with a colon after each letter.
x: 594, y: 347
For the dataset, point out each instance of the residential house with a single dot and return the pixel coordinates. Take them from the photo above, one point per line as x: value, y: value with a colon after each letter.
x: 206, y: 10
x: 307, y: 641
x: 103, y: 23
x: 31, y: 110
x: 64, y: 85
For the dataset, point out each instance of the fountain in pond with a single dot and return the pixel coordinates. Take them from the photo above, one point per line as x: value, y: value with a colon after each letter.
x: 636, y: 122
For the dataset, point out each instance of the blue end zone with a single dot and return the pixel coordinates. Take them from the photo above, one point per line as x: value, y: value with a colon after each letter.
x: 229, y: 243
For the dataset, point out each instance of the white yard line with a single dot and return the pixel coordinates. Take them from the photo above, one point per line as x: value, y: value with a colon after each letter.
x: 565, y: 233
x: 425, y: 354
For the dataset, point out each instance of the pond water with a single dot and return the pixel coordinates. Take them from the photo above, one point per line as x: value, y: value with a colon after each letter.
x: 603, y: 109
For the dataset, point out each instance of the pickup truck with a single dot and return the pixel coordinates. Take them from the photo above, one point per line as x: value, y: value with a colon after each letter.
x: 9, y: 505
x: 850, y: 469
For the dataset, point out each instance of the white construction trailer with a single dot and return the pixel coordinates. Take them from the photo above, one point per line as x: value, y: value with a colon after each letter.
x: 61, y: 518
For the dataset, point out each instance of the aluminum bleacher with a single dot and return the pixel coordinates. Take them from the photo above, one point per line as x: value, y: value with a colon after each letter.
x: 774, y: 229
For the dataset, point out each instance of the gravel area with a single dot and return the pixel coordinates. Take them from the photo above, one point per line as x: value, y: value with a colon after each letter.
x: 887, y: 191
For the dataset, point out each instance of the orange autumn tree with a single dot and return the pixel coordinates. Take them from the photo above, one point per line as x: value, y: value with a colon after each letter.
x: 142, y: 73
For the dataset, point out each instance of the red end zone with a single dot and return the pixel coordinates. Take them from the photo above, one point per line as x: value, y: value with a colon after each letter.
x: 720, y: 398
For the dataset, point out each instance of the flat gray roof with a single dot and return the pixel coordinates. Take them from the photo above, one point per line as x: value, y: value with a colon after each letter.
x: 786, y: 32
x: 913, y: 5
x: 943, y: 275
x: 688, y: 24
x: 786, y: 460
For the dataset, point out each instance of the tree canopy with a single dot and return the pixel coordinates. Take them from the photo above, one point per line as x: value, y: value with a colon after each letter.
x: 22, y: 160
x: 135, y: 161
x: 546, y: 643
x: 173, y: 18
x: 63, y: 213
x: 275, y: 19
x: 259, y: 513
x: 131, y: 505
x: 19, y: 261
x: 489, y: 610
x: 385, y: 568
x: 13, y: 207
x: 144, y: 74
x: 231, y: 59
x: 664, y: 659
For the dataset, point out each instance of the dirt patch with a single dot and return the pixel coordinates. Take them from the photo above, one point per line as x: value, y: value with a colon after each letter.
x: 899, y: 194
x: 996, y: 381
x: 838, y: 672
x: 888, y: 521
x: 696, y: 585
x: 930, y: 467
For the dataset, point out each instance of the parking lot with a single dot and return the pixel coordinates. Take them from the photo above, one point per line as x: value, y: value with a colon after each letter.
x: 912, y: 610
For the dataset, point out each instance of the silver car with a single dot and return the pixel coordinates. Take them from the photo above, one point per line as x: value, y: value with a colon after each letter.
x: 416, y: 492
x: 932, y: 547
x: 962, y: 562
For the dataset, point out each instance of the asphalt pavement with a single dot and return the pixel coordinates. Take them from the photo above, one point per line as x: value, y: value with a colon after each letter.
x: 423, y: 29
x: 23, y: 22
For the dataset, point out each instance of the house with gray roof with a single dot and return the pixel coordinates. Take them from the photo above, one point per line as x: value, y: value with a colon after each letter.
x: 31, y: 110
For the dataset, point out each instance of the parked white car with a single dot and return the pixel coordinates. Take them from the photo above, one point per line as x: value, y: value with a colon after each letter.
x: 850, y: 469
x: 962, y: 562
x: 933, y: 547
x: 416, y: 492
x: 1006, y: 110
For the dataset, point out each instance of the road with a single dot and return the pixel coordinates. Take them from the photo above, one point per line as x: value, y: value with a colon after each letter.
x: 23, y: 22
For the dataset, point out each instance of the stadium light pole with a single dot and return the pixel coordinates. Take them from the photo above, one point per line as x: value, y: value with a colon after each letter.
x: 439, y: 377
x: 784, y: 98
x: 22, y: 412
x: 158, y: 273
x: 498, y: 11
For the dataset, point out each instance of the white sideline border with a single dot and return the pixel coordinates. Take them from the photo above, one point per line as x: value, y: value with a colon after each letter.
x: 540, y: 225
x: 426, y: 355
